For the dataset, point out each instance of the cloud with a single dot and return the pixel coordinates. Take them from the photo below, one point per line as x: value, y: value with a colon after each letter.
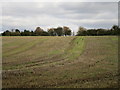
x: 29, y: 15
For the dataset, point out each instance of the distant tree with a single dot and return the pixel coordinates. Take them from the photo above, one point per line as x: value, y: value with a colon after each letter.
x: 13, y: 34
x: 51, y: 32
x: 115, y: 30
x: 38, y: 31
x: 59, y: 31
x: 101, y: 32
x: 115, y: 27
x: 108, y: 32
x: 44, y: 33
x: 26, y: 33
x: 17, y: 32
x: 91, y: 32
x: 6, y: 33
x: 82, y: 31
x: 32, y: 33
x: 66, y: 31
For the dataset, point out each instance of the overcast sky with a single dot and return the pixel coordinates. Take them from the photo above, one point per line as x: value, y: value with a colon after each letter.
x: 29, y: 15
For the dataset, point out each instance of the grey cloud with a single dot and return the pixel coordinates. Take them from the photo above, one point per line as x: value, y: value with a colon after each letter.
x: 89, y: 14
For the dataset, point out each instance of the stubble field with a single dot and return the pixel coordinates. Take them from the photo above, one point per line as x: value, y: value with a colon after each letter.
x: 60, y: 62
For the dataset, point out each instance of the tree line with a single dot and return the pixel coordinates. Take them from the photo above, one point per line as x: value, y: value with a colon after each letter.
x: 115, y: 30
x: 59, y: 31
x: 64, y: 31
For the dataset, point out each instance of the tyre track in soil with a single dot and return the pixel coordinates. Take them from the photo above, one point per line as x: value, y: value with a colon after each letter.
x: 87, y: 53
x: 90, y: 53
x: 40, y: 43
x: 82, y: 58
x: 53, y: 59
x: 37, y: 63
x: 30, y: 47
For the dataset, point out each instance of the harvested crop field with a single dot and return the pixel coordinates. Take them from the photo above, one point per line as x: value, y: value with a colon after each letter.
x: 60, y: 62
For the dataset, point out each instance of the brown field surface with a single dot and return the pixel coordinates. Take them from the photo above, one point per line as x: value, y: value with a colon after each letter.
x: 60, y: 62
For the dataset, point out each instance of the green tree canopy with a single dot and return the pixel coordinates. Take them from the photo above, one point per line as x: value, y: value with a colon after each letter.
x: 67, y: 30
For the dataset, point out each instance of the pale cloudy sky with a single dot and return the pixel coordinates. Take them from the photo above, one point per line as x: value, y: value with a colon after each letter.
x: 29, y: 15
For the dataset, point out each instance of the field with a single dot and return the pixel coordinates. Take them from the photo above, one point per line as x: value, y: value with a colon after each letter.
x: 60, y: 62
